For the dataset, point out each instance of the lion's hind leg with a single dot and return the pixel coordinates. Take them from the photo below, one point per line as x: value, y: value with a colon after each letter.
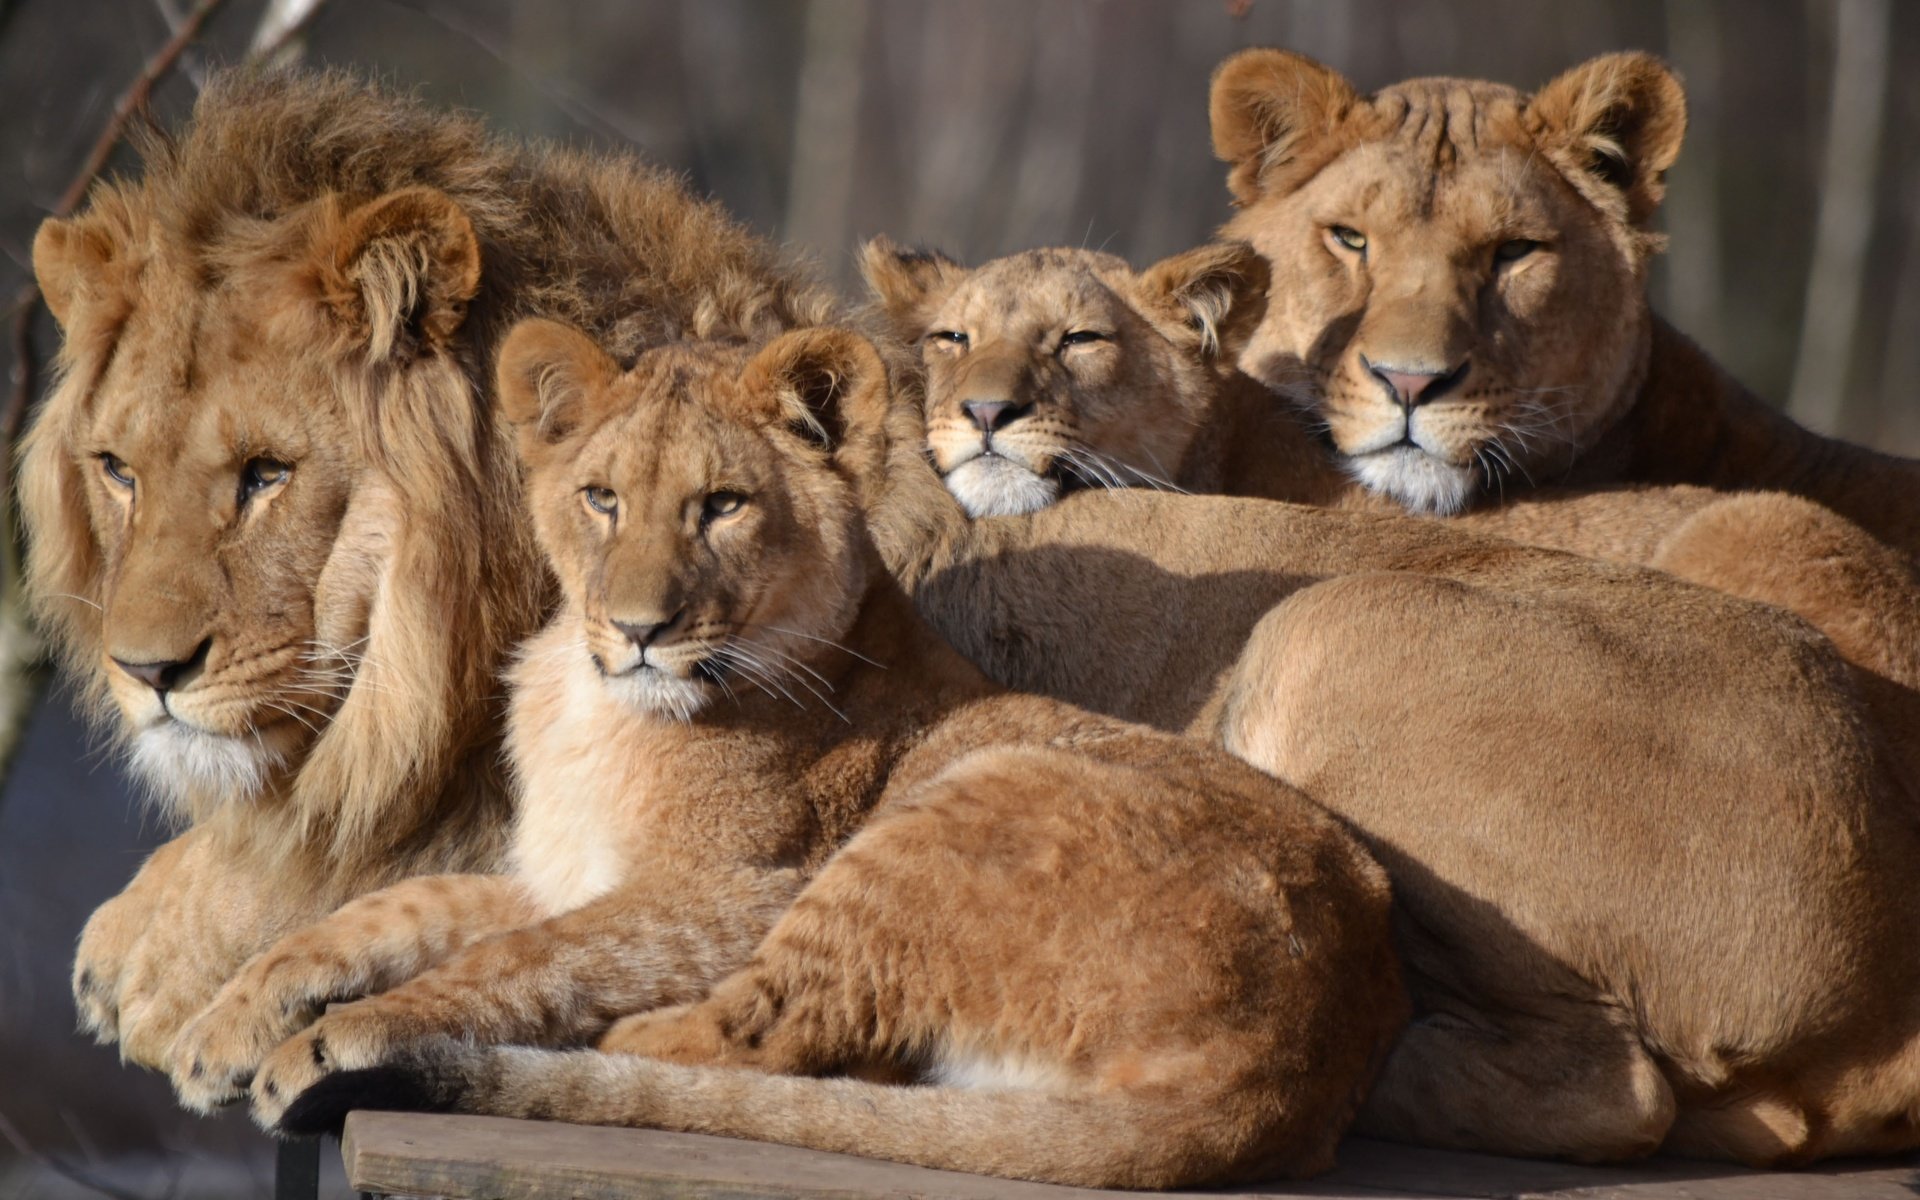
x: 971, y: 939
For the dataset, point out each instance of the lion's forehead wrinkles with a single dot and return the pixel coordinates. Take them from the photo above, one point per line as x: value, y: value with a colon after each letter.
x: 1446, y: 123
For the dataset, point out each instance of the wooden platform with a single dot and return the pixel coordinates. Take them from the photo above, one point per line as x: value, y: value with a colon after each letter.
x: 487, y: 1158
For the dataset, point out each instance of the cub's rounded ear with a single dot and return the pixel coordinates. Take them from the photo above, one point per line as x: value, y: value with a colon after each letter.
x: 1219, y: 289
x: 398, y: 271
x: 907, y: 283
x: 1272, y: 112
x: 830, y: 386
x: 73, y: 257
x: 551, y: 380
x: 1614, y: 125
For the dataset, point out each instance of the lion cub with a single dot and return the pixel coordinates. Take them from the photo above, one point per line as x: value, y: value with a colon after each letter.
x: 1059, y: 369
x: 768, y: 811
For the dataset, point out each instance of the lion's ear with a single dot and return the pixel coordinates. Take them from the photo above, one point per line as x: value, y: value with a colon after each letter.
x: 72, y: 257
x: 1269, y: 109
x: 1614, y: 125
x: 551, y: 379
x: 830, y: 386
x: 1219, y: 289
x: 398, y: 271
x: 907, y: 283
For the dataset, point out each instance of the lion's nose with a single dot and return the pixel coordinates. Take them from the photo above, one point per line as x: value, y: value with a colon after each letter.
x: 990, y: 415
x: 164, y: 676
x: 642, y: 634
x: 1411, y: 389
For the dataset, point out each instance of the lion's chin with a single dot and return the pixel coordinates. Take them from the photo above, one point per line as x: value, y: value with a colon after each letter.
x: 1416, y: 480
x: 658, y: 693
x: 993, y: 486
x: 185, y: 765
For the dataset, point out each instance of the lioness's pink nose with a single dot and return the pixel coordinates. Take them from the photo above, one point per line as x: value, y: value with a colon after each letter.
x: 1414, y: 388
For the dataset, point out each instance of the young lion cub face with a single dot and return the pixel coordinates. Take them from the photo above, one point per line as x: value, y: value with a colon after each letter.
x: 1040, y: 365
x: 685, y: 505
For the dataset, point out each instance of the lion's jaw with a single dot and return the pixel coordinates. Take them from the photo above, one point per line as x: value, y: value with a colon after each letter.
x: 1442, y: 245
x: 997, y: 483
x: 187, y: 767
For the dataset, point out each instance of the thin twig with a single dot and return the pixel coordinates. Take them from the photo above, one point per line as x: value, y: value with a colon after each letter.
x: 132, y: 101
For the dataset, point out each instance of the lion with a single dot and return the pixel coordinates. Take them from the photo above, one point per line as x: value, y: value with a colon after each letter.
x: 744, y: 761
x: 1650, y: 843
x: 1058, y: 369
x: 1458, y: 291
x: 273, y: 528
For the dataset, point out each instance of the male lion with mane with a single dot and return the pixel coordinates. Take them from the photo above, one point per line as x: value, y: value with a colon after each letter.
x: 1458, y: 291
x: 272, y: 524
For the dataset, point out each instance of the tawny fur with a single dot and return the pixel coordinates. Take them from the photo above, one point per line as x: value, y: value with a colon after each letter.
x: 1652, y: 844
x: 312, y: 274
x: 1149, y: 964
x: 1149, y: 383
x: 1505, y: 243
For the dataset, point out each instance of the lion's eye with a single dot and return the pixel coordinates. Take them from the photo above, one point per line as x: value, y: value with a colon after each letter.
x: 1512, y: 251
x: 951, y: 337
x: 116, y: 469
x: 260, y: 474
x: 601, y: 500
x: 1349, y: 237
x: 722, y: 504
x: 1082, y: 337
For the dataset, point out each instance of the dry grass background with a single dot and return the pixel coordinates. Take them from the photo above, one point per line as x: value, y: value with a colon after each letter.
x: 980, y: 126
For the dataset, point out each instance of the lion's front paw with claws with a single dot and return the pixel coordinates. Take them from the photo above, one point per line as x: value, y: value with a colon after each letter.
x: 216, y: 1056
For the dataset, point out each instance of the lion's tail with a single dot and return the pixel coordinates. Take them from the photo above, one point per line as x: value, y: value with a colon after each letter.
x: 1117, y: 1140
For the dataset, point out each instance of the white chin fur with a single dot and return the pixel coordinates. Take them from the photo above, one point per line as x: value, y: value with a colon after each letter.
x: 182, y: 763
x: 661, y: 694
x: 1415, y: 479
x: 992, y: 486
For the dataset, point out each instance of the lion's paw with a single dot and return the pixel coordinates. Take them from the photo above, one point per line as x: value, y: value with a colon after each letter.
x: 352, y: 1037
x: 102, y: 961
x: 216, y: 1056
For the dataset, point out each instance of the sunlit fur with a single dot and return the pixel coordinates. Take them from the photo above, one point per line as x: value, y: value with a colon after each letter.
x: 311, y: 275
x: 1232, y: 436
x: 859, y: 858
x: 1464, y: 701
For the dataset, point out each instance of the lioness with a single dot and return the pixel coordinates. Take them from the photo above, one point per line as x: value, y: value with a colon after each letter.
x: 1062, y: 368
x: 271, y: 523
x: 1458, y: 290
x: 745, y: 762
x: 1651, y: 845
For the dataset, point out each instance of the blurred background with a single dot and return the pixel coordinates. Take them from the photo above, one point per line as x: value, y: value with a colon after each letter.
x: 980, y: 127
